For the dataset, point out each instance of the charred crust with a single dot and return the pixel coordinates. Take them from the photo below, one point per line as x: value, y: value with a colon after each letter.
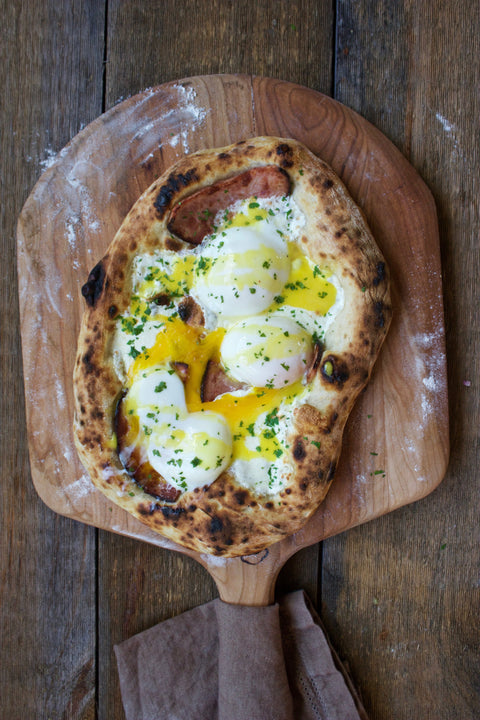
x: 335, y: 371
x: 381, y: 274
x: 223, y: 156
x: 89, y: 367
x: 285, y: 152
x: 93, y: 288
x: 112, y: 311
x: 331, y: 471
x: 216, y: 524
x: 378, y: 309
x: 174, y: 183
x: 240, y: 497
x: 327, y: 184
x: 299, y: 452
x: 171, y: 512
x: 146, y: 509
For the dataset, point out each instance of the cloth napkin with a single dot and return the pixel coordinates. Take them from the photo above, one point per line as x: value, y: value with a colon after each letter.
x: 232, y: 662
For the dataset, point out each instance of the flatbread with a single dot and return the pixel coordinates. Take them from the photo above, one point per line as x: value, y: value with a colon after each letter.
x: 227, y: 516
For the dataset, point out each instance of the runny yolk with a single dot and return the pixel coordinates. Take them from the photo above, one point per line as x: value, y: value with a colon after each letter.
x: 179, y: 342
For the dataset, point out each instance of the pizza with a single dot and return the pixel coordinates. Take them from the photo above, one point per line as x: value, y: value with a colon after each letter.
x: 227, y: 333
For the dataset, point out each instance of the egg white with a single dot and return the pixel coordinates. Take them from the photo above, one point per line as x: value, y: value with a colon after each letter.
x: 267, y: 350
x: 189, y: 450
x: 245, y: 268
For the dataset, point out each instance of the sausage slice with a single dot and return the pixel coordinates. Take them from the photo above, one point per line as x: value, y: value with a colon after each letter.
x: 192, y: 218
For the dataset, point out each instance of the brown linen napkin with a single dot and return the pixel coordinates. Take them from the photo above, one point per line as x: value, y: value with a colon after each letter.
x: 231, y: 662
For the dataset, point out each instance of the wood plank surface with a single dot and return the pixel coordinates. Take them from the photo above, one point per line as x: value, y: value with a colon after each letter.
x: 399, y: 595
x: 48, y: 569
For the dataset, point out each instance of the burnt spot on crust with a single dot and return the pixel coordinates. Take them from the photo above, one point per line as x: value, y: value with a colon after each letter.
x: 327, y: 184
x: 146, y: 509
x: 96, y: 414
x: 335, y: 370
x: 240, y: 496
x: 285, y: 152
x: 216, y: 525
x: 89, y: 367
x: 378, y: 309
x: 174, y: 183
x: 381, y: 274
x: 112, y: 311
x: 331, y: 471
x: 223, y: 156
x: 171, y: 512
x: 299, y: 452
x: 92, y: 289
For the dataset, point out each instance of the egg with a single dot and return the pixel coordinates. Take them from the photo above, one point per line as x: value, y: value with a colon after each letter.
x: 266, y: 351
x: 192, y: 451
x: 189, y: 450
x: 241, y: 270
x: 155, y: 392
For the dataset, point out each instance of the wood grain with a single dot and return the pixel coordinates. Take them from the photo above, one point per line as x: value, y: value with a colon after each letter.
x: 47, y: 576
x: 410, y: 635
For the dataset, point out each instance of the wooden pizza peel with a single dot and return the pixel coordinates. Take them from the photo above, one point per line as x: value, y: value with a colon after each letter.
x: 396, y: 442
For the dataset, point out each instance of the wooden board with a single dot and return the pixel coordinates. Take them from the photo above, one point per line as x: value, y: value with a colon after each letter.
x: 396, y: 441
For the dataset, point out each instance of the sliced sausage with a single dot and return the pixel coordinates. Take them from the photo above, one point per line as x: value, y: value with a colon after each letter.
x: 193, y: 218
x: 215, y: 382
x: 190, y: 311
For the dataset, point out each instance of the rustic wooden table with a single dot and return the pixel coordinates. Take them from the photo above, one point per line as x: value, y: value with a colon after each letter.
x: 398, y: 595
